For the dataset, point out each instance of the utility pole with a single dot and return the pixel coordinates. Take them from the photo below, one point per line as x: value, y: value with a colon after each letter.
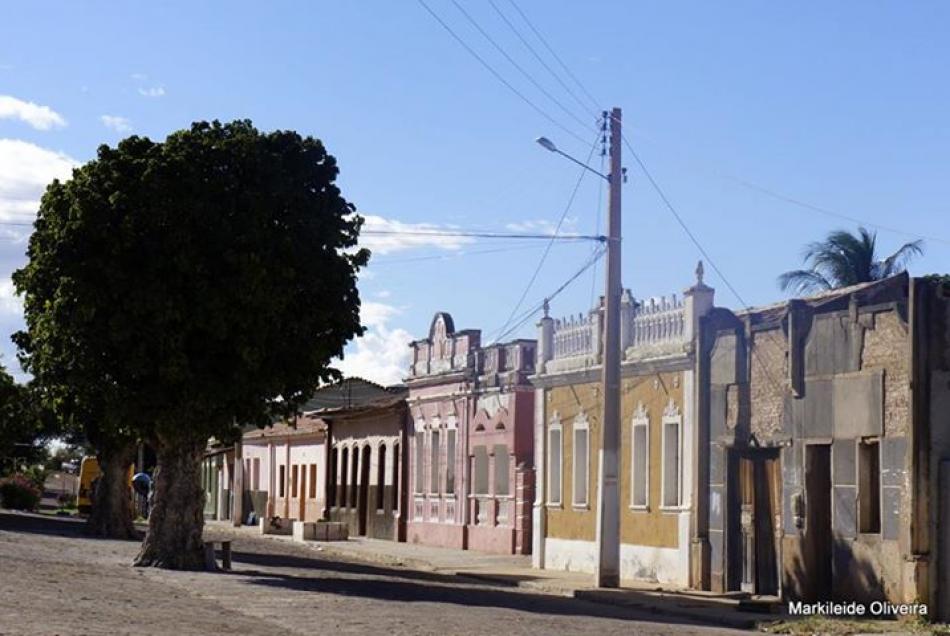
x: 608, y: 486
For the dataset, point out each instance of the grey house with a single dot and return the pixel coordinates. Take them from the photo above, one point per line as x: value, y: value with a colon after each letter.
x: 827, y: 423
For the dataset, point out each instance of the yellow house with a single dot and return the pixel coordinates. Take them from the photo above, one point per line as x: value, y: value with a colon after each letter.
x: 658, y: 436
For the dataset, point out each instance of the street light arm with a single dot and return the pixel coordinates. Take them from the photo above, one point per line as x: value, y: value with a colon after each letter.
x: 582, y: 165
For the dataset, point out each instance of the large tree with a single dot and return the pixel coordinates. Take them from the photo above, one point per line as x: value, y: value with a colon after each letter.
x: 844, y: 259
x: 188, y: 286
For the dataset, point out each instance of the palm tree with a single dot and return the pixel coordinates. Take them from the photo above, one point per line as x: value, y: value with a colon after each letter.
x: 844, y: 259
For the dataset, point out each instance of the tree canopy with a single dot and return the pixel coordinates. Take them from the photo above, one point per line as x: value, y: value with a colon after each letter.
x: 177, y: 288
x: 844, y: 259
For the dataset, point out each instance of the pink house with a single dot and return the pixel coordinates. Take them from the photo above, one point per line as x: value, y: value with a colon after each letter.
x: 470, y: 437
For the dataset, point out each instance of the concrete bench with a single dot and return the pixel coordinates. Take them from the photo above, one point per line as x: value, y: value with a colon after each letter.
x: 320, y: 531
x: 210, y: 560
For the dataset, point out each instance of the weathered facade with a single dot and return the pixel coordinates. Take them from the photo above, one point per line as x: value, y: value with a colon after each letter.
x: 470, y: 452
x: 366, y: 426
x: 825, y: 424
x: 658, y: 428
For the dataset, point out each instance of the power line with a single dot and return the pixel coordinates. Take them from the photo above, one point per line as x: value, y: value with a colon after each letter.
x: 498, y: 235
x: 814, y: 208
x: 538, y: 57
x: 498, y: 76
x: 536, y: 308
x: 544, y: 256
x: 520, y: 69
x: 555, y: 55
x: 456, y: 254
x: 702, y: 250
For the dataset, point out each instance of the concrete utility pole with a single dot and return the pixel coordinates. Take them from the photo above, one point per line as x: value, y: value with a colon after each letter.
x: 608, y: 487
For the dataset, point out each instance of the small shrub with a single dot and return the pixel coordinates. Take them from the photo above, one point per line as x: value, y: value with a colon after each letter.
x: 19, y: 493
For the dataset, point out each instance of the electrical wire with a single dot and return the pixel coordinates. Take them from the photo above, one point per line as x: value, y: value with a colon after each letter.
x: 455, y: 254
x: 555, y: 55
x: 498, y: 75
x: 560, y: 222
x: 494, y: 235
x: 520, y: 69
x: 536, y: 308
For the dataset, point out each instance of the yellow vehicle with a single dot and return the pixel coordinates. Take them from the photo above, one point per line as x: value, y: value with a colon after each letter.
x: 89, y: 472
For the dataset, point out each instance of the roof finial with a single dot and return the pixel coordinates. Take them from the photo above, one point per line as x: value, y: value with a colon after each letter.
x: 699, y: 274
x: 547, y: 307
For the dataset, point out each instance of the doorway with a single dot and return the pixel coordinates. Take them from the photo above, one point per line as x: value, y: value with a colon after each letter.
x: 818, y: 537
x: 754, y: 521
x: 363, y: 491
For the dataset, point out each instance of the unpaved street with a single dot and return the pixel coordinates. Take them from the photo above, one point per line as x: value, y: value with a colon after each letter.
x: 55, y: 581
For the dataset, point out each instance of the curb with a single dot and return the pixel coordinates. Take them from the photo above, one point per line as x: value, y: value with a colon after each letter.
x: 725, y: 617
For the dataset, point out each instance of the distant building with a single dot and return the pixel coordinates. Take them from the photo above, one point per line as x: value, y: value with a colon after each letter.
x: 365, y: 425
x: 470, y: 459
x: 658, y: 451
x: 826, y: 446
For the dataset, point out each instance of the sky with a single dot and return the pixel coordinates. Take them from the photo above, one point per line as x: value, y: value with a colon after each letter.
x: 766, y: 125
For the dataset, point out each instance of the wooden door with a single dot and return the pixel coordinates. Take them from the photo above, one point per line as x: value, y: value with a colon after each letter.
x: 363, y: 501
x: 818, y: 537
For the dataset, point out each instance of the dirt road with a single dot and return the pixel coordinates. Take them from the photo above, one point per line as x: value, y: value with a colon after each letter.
x: 53, y: 580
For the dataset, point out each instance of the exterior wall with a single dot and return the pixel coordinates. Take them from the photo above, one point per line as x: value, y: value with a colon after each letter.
x: 830, y: 373
x: 381, y: 433
x: 654, y: 538
x: 479, y: 398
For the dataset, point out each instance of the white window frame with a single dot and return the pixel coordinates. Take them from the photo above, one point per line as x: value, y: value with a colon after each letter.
x: 580, y: 424
x: 671, y: 415
x: 435, y: 429
x: 640, y: 418
x: 555, y: 496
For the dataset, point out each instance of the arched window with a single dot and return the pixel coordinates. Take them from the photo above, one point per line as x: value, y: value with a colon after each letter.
x: 381, y: 479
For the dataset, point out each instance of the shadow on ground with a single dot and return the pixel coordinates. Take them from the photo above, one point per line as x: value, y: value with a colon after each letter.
x: 58, y: 526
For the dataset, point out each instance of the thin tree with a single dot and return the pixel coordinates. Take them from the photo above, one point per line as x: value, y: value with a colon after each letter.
x: 187, y: 286
x: 844, y: 259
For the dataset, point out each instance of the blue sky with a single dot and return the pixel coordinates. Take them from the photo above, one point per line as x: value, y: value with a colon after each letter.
x: 841, y: 105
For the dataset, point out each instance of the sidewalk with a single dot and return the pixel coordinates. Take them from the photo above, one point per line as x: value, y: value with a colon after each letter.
x: 735, y: 611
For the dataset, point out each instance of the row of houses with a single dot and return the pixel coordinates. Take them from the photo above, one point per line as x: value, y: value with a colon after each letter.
x: 800, y: 449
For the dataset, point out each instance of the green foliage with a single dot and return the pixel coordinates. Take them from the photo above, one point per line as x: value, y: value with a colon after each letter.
x: 175, y: 288
x: 19, y: 493
x: 844, y: 259
x: 23, y: 429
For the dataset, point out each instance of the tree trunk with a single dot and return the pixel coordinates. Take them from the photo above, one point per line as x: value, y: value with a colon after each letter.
x: 174, y: 538
x: 111, y: 514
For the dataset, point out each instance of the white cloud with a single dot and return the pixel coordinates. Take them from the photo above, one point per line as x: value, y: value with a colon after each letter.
x: 25, y: 171
x: 406, y: 236
x: 139, y: 77
x: 153, y: 91
x: 39, y: 117
x: 116, y: 123
x: 382, y: 354
x: 10, y: 303
x: 384, y: 294
x: 544, y: 226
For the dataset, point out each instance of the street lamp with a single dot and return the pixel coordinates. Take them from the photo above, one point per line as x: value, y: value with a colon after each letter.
x: 547, y: 144
x: 607, y: 569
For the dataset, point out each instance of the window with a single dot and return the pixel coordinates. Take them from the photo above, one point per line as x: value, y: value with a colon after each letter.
x: 640, y: 459
x: 293, y: 480
x: 344, y: 472
x: 450, y: 462
x: 381, y: 479
x: 501, y: 470
x: 480, y: 483
x: 672, y: 456
x: 554, y: 462
x: 246, y: 477
x: 434, y: 475
x: 396, y: 484
x: 283, y: 480
x: 313, y: 481
x: 869, y: 486
x: 420, y: 457
x: 256, y: 480
x: 581, y: 460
